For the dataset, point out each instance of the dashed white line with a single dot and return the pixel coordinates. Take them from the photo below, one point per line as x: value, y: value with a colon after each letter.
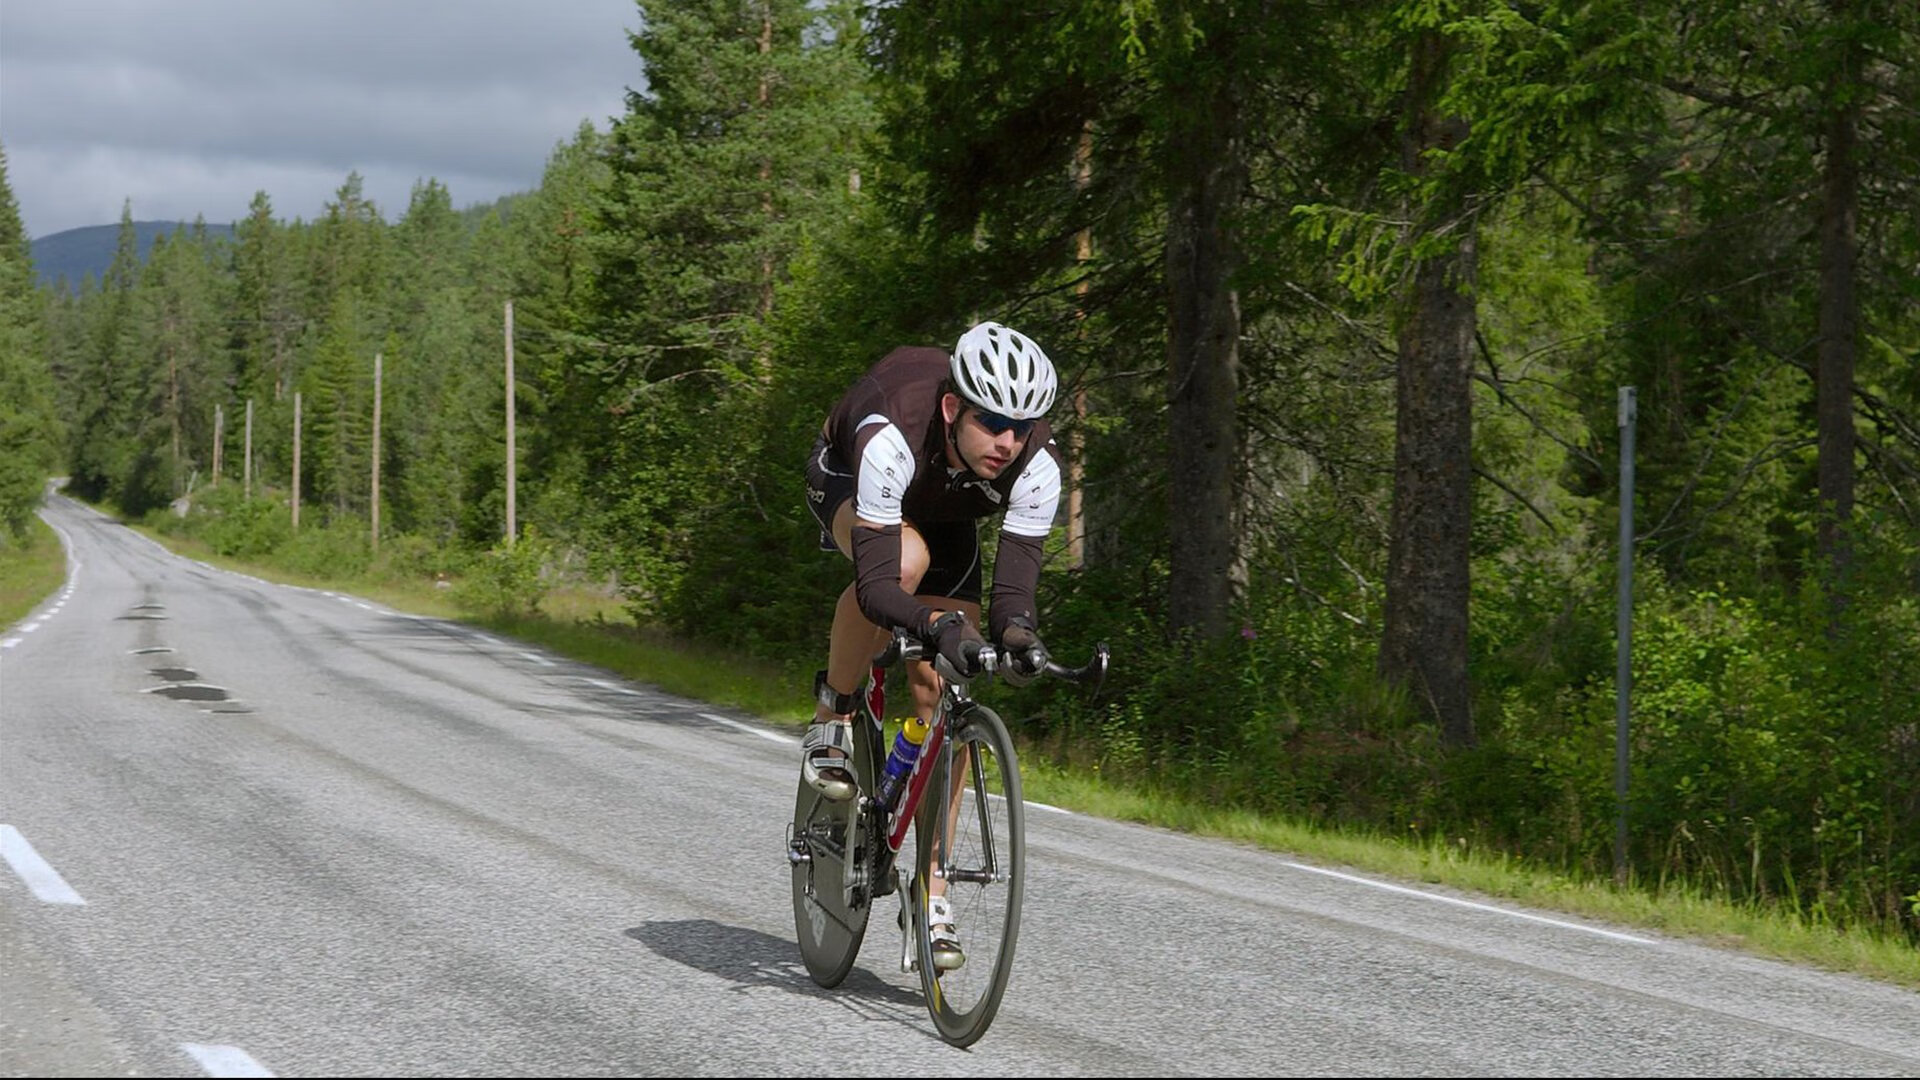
x: 44, y: 880
x: 750, y: 729
x: 538, y: 659
x: 1469, y: 904
x: 225, y: 1060
x: 11, y: 642
x: 605, y: 685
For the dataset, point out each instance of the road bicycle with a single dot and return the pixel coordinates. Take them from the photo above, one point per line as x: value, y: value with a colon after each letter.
x: 964, y: 794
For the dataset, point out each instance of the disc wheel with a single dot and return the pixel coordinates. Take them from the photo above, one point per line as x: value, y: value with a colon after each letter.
x: 832, y: 893
x: 972, y: 840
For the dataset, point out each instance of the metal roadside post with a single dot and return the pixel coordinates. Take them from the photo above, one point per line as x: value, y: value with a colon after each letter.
x: 1623, y: 636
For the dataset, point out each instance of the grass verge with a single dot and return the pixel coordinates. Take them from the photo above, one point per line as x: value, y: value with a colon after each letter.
x: 29, y: 572
x: 595, y: 630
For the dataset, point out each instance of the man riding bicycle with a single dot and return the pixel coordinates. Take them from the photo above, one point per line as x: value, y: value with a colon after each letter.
x: 916, y: 452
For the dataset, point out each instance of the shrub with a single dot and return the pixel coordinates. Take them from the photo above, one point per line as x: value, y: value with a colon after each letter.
x: 508, y: 580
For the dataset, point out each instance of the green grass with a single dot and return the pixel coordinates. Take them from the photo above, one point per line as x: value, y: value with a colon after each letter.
x: 593, y: 628
x: 29, y: 573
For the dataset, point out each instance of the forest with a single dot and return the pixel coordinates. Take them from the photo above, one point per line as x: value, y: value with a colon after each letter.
x: 1343, y: 296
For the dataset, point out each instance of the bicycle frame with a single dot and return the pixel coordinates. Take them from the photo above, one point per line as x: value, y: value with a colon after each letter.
x: 841, y: 866
x: 922, y: 769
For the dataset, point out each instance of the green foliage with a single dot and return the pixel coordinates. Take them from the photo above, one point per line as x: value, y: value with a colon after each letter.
x: 238, y: 527
x: 696, y: 285
x: 29, y: 430
x: 338, y: 547
x: 509, y: 579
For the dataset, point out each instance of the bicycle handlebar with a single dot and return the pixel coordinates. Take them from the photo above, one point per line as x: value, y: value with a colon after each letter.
x: 906, y: 646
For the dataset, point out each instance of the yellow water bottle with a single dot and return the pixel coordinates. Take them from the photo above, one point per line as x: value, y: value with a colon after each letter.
x: 906, y: 749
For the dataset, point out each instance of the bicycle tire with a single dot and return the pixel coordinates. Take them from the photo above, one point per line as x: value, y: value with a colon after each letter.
x: 984, y: 868
x: 832, y: 898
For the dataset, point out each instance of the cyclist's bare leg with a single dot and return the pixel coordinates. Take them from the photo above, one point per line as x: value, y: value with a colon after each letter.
x: 925, y: 685
x: 854, y: 640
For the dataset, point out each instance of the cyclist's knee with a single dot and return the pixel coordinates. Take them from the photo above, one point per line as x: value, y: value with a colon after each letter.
x: 914, y: 557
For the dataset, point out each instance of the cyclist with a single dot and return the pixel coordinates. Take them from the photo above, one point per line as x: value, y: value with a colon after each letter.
x: 922, y: 447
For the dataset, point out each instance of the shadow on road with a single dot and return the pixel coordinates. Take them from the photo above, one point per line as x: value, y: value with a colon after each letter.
x: 752, y: 959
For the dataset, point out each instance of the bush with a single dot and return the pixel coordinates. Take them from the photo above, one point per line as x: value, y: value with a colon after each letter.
x: 238, y: 527
x: 338, y: 549
x: 508, y: 580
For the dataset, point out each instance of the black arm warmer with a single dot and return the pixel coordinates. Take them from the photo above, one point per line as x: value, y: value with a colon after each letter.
x: 1016, y: 573
x: 876, y: 580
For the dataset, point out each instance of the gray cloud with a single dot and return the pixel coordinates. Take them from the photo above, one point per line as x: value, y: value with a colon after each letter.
x: 188, y: 107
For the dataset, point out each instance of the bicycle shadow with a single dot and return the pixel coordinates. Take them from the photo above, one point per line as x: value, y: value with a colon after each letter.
x: 752, y: 959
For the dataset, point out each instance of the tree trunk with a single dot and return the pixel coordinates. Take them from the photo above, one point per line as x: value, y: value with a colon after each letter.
x: 1424, y: 647
x: 1077, y: 440
x: 1203, y: 357
x: 764, y: 362
x: 1839, y: 317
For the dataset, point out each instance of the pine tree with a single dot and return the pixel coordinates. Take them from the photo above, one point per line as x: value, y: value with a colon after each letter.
x: 28, y: 426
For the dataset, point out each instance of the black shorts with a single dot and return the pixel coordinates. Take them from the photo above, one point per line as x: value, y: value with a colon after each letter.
x: 953, y: 547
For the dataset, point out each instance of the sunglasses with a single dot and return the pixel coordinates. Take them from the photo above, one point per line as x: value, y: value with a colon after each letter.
x: 998, y: 425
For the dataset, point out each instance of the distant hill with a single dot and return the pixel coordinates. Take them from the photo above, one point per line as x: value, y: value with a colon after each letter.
x: 88, y: 251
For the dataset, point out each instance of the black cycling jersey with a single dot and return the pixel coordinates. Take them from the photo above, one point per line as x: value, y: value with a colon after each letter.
x: 885, y: 440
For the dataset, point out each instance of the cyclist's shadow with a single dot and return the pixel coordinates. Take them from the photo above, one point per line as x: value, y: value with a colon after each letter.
x: 753, y: 959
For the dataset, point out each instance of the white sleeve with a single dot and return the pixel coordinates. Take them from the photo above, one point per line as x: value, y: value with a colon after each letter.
x: 884, y: 471
x: 1036, y: 495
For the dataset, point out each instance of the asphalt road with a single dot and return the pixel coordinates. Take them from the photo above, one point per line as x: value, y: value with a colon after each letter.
x: 358, y: 842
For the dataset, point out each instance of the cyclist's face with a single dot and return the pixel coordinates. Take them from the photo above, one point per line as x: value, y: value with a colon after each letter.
x: 988, y: 454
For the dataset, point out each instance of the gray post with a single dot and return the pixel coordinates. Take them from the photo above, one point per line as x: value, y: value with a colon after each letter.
x: 376, y: 453
x: 296, y: 461
x: 1623, y: 635
x: 512, y: 463
x: 246, y: 467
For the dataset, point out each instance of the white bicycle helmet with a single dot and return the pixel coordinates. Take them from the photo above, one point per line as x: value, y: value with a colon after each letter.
x: 1003, y: 371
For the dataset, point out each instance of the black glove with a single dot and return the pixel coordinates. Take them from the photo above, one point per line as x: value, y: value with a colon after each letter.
x: 956, y: 639
x: 1025, y: 654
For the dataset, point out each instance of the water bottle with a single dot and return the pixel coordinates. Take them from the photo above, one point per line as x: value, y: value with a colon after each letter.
x: 906, y: 749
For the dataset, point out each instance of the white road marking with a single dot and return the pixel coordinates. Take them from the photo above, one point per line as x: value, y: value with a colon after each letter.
x: 44, y: 880
x: 538, y: 659
x: 225, y: 1060
x: 1470, y: 904
x: 605, y: 685
x: 11, y: 642
x: 751, y: 730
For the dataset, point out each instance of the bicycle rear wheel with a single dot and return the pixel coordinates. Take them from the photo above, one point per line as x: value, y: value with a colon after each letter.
x: 983, y: 866
x: 832, y: 896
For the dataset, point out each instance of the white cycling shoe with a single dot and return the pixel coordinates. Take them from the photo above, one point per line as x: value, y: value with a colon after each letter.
x: 946, y: 938
x: 827, y: 774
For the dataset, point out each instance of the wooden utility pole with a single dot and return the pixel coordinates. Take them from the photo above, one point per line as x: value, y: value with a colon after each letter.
x: 512, y: 460
x: 246, y: 467
x: 376, y: 453
x: 296, y: 460
x: 219, y: 436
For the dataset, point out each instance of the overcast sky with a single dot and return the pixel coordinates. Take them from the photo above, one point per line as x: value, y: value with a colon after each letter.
x: 188, y: 107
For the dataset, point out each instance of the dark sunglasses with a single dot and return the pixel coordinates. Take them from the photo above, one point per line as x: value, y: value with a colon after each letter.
x: 997, y: 424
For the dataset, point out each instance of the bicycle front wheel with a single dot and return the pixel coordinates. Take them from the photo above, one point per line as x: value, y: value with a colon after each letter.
x: 972, y: 847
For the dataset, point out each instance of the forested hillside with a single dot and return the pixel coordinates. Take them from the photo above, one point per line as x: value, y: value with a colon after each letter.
x: 1343, y: 296
x: 74, y: 255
